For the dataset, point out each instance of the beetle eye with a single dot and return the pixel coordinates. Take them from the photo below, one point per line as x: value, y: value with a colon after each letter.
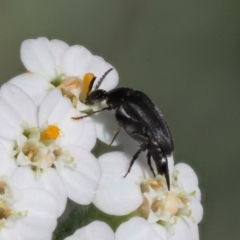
x: 96, y: 96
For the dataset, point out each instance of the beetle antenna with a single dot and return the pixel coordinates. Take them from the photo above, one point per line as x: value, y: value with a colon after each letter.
x: 102, y: 78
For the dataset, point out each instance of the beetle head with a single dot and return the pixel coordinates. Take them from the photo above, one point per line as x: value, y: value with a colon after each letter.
x: 88, y: 96
x: 96, y: 96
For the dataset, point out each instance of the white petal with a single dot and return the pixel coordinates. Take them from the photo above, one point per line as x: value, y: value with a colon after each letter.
x: 161, y: 231
x: 10, y: 122
x: 38, y: 57
x: 28, y: 233
x: 81, y: 182
x: 7, y: 163
x: 94, y: 231
x: 184, y: 229
x: 76, y: 60
x: 106, y: 126
x: 88, y: 137
x: 99, y: 67
x: 115, y: 164
x: 42, y: 214
x: 37, y: 201
x: 10, y: 233
x: 72, y: 129
x: 115, y: 190
x: 58, y: 47
x: 53, y: 107
x: 56, y: 109
x: 20, y: 102
x: 8, y: 144
x: 34, y: 85
x: 136, y: 229
x: 124, y: 194
x: 197, y: 196
x: 72, y: 237
x: 197, y: 210
x: 49, y: 180
x: 187, y: 177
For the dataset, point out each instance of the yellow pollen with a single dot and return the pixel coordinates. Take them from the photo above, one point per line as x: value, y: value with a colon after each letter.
x: 156, y: 205
x: 4, y: 211
x: 144, y: 208
x: 155, y: 184
x: 51, y: 133
x: 193, y: 194
x: 88, y: 77
x: 57, y: 152
x: 86, y: 86
x: 184, y: 200
x: 30, y: 151
x: 2, y: 187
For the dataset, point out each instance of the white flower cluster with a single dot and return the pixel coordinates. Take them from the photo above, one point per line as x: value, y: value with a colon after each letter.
x: 46, y: 157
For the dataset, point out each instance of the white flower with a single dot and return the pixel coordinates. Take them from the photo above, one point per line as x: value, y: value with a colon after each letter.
x: 182, y: 200
x: 135, y: 229
x: 117, y: 195
x: 27, y: 214
x: 51, y: 149
x: 50, y: 157
x: 7, y: 163
x: 96, y: 230
x: 56, y: 64
x: 138, y: 228
x: 149, y: 196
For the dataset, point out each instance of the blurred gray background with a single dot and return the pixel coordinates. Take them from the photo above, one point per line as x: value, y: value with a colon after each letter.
x: 184, y: 54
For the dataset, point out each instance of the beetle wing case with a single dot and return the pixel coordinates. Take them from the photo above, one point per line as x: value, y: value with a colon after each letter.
x: 140, y: 107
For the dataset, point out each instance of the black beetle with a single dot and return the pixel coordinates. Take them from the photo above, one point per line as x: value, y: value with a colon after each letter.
x: 140, y: 118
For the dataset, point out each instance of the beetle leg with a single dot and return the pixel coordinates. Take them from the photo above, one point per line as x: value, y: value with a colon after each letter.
x: 136, y: 130
x: 118, y: 131
x: 149, y: 163
x: 135, y: 156
x: 81, y: 117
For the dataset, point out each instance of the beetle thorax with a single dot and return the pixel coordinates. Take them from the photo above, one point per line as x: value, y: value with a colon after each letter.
x: 117, y: 96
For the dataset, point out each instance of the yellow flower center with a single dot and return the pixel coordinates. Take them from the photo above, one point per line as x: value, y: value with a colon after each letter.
x: 156, y: 184
x: 30, y: 150
x: 51, y: 133
x: 4, y: 213
x: 70, y: 88
x: 2, y: 187
x: 169, y: 205
x: 7, y: 213
x: 39, y: 148
x: 159, y: 204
